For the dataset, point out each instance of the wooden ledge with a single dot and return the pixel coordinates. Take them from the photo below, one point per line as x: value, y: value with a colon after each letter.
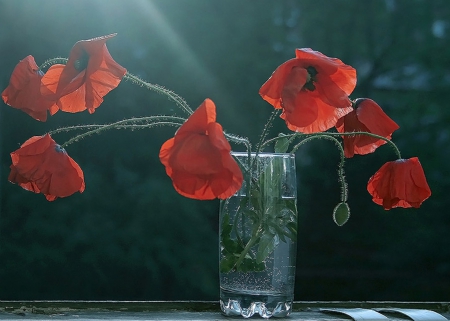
x: 186, y: 310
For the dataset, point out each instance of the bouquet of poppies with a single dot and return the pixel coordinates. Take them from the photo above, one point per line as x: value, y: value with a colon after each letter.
x: 310, y: 92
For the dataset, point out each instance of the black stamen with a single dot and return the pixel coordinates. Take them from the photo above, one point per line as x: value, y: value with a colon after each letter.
x: 59, y: 149
x: 81, y: 64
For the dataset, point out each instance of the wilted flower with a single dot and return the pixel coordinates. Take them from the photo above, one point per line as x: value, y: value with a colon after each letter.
x: 400, y: 183
x: 90, y: 73
x: 42, y: 166
x: 367, y: 116
x: 198, y: 158
x: 23, y: 91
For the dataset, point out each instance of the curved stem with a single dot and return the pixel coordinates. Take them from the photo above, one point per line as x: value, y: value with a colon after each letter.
x: 239, y: 140
x: 274, y: 139
x: 159, y: 89
x: 53, y: 61
x: 136, y: 80
x: 153, y: 121
x: 341, y: 174
x: 70, y: 128
x: 390, y: 142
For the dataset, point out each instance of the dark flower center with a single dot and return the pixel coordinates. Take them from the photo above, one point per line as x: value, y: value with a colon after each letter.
x: 356, y: 102
x: 81, y: 64
x: 59, y: 149
x: 312, y: 72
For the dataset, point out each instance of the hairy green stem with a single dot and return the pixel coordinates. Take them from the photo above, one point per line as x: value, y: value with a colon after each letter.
x: 161, y: 90
x: 239, y: 140
x: 390, y: 143
x: 152, y: 122
x: 53, y: 61
x: 274, y: 139
x: 136, y: 80
x: 265, y: 131
x: 341, y: 174
x: 70, y: 128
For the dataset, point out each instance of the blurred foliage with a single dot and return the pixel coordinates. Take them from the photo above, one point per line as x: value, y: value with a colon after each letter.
x: 130, y: 236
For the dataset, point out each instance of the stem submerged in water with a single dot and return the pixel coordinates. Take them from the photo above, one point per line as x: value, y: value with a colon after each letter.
x: 253, y: 240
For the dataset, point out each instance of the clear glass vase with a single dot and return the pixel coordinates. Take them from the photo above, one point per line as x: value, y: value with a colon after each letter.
x: 258, y: 238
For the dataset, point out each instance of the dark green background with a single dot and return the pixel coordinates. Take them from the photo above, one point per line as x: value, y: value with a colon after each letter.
x: 130, y: 236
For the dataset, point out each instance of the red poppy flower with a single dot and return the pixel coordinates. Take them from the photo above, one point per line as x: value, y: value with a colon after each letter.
x: 42, y: 166
x: 23, y: 91
x: 89, y: 75
x: 312, y: 89
x: 401, y: 183
x: 198, y: 158
x: 367, y: 116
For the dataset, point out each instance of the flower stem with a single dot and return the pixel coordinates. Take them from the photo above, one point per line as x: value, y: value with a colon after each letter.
x: 53, y: 61
x: 267, y: 126
x: 324, y: 134
x: 253, y: 240
x: 239, y: 140
x: 390, y: 142
x: 136, y: 80
x: 341, y: 174
x: 161, y: 90
x: 281, y: 136
x: 152, y: 121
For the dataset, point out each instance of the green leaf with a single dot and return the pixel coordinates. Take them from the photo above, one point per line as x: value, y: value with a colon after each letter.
x: 227, y: 263
x: 267, y: 244
x: 226, y: 226
x: 281, y: 145
x: 341, y: 213
x: 250, y: 265
x: 276, y: 229
x: 292, y: 227
x: 255, y: 199
x: 252, y: 215
x: 229, y: 245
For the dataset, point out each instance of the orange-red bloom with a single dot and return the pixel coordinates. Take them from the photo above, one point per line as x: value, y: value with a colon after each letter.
x: 198, y: 158
x: 89, y: 75
x: 401, y: 183
x: 42, y: 166
x: 368, y: 117
x: 23, y: 91
x: 312, y: 89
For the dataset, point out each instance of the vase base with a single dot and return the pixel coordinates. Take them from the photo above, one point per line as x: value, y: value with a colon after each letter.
x: 248, y: 304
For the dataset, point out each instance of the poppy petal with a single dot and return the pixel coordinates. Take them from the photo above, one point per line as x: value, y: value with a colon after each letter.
x: 366, y: 117
x: 312, y: 89
x: 23, y: 91
x: 89, y: 75
x: 401, y: 183
x: 198, y: 158
x: 42, y: 166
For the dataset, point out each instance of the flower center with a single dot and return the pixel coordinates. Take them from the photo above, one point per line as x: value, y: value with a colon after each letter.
x: 59, y: 149
x: 356, y: 102
x: 312, y: 72
x: 81, y: 64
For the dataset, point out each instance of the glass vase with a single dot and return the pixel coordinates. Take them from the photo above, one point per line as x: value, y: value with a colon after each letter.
x: 258, y: 238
